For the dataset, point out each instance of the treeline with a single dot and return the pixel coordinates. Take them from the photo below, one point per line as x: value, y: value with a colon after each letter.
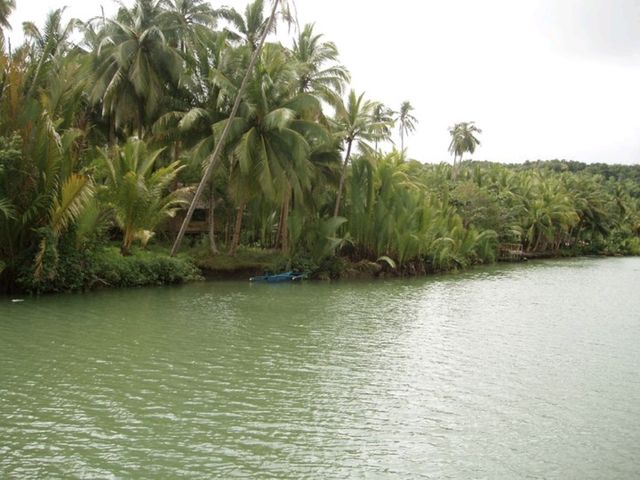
x: 101, y: 140
x: 606, y: 170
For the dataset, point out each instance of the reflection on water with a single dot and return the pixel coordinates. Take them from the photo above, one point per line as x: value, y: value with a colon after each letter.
x: 509, y: 372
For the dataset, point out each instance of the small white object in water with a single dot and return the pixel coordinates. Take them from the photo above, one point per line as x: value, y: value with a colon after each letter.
x: 17, y: 300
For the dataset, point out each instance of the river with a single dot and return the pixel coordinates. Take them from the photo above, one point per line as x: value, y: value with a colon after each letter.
x: 513, y: 371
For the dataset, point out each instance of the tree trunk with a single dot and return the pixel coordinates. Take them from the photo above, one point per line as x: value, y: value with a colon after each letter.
x: 276, y: 243
x: 213, y: 248
x: 536, y: 245
x: 127, y: 241
x: 141, y: 122
x: 112, y: 130
x: 284, y: 218
x: 454, y: 173
x: 235, y: 241
x: 176, y: 151
x: 336, y: 211
x: 226, y: 231
x: 218, y: 150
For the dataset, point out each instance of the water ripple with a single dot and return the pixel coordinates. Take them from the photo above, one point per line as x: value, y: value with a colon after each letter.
x: 511, y: 372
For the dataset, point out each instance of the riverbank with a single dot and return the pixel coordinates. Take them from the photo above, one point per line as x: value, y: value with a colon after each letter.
x: 249, y: 262
x: 246, y: 263
x: 106, y: 267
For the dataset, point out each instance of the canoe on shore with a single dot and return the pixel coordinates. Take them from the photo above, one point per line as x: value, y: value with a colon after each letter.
x: 278, y: 277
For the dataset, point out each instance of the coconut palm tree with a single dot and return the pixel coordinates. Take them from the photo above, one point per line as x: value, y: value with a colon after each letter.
x: 190, y: 28
x: 547, y: 213
x: 463, y: 140
x: 222, y: 138
x: 49, y: 44
x: 191, y: 130
x: 406, y: 122
x: 6, y: 7
x: 317, y: 69
x: 136, y: 67
x: 354, y: 124
x: 383, y: 118
x: 269, y: 139
x: 187, y: 20
x: 251, y: 27
x: 591, y: 204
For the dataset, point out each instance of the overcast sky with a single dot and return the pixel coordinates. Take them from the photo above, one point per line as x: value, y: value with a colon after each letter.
x: 542, y: 78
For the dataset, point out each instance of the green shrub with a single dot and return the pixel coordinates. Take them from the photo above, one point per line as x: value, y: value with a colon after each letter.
x: 631, y: 246
x: 64, y: 269
x: 141, y: 268
x: 67, y: 269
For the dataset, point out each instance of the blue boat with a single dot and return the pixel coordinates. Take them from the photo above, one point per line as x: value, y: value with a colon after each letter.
x: 278, y: 277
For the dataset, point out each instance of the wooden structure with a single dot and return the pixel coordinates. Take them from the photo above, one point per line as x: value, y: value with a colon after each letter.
x: 510, y: 252
x: 199, y: 221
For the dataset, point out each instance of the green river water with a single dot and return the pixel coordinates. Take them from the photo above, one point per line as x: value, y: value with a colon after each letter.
x: 516, y: 371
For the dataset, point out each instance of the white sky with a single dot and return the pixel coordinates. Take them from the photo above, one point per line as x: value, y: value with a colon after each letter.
x: 542, y: 78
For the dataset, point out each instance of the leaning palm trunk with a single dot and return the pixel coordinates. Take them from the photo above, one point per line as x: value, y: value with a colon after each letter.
x: 213, y: 160
x: 343, y: 174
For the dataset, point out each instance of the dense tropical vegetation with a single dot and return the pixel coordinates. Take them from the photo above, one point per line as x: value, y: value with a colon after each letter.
x: 101, y: 139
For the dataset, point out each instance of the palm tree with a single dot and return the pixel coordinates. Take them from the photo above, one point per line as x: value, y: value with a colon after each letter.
x: 6, y: 7
x: 463, y: 140
x: 314, y: 75
x: 406, y: 122
x: 590, y: 203
x: 354, y: 123
x: 269, y: 144
x: 251, y: 27
x: 43, y: 189
x: 222, y: 139
x: 135, y: 67
x: 547, y: 213
x: 6, y: 209
x: 137, y: 193
x: 49, y: 44
x: 67, y: 205
x: 185, y: 18
x: 191, y: 129
x: 190, y: 25
x: 383, y: 119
